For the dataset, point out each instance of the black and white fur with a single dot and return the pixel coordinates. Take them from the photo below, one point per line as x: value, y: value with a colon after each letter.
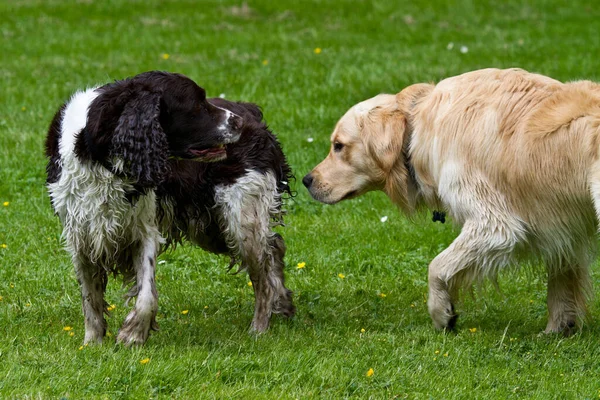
x: 129, y: 172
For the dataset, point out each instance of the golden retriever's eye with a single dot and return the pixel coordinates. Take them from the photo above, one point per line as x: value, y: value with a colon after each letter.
x: 337, y: 146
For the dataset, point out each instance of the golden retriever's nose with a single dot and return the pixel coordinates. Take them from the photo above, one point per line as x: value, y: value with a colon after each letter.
x: 307, y: 180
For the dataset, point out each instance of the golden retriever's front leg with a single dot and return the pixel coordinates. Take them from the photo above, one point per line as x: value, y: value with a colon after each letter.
x: 440, y: 301
x: 481, y: 249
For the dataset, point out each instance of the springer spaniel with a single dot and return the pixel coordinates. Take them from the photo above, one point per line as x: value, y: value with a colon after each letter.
x: 148, y: 161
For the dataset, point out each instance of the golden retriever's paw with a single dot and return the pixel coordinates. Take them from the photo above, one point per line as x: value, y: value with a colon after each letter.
x: 443, y: 315
x: 567, y: 328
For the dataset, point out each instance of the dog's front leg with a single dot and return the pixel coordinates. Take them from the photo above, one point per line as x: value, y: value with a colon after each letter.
x: 481, y: 249
x: 141, y: 319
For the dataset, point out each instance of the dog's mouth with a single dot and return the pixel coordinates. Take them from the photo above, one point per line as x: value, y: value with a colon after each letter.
x: 325, y: 198
x: 350, y: 195
x: 211, y: 154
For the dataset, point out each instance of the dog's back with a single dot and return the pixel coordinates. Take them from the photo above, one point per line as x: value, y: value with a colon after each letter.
x: 515, y: 139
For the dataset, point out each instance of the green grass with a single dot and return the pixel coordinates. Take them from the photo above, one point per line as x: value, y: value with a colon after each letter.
x: 51, y: 48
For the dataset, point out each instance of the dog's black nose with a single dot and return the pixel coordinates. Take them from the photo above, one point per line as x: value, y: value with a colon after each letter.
x: 235, y: 121
x: 307, y: 180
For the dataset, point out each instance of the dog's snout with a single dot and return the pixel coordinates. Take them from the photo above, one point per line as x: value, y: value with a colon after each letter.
x: 235, y: 121
x: 307, y: 180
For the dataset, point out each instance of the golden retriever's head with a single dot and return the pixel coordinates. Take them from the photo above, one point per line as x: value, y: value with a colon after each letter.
x: 366, y: 146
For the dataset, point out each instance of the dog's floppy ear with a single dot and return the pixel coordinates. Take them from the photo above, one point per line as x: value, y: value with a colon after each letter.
x: 139, y: 146
x: 383, y: 133
x: 253, y: 110
x: 386, y: 139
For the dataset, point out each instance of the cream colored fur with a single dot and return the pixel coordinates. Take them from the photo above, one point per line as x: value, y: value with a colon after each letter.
x: 511, y: 156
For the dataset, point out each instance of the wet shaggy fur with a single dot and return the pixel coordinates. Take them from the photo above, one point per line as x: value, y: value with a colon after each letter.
x: 511, y: 156
x: 129, y: 174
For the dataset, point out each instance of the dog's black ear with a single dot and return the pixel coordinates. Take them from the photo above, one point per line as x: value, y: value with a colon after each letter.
x: 139, y: 147
x: 253, y: 110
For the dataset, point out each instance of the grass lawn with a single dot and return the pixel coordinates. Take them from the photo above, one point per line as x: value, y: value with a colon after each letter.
x: 374, y: 314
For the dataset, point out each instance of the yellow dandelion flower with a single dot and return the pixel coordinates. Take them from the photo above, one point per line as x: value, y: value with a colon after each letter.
x: 472, y: 330
x: 67, y: 328
x: 184, y: 312
x: 5, y: 204
x: 111, y: 307
x: 205, y: 307
x: 71, y: 333
x: 145, y: 361
x: 437, y: 352
x: 412, y: 305
x: 1, y: 298
x: 165, y: 56
x: 370, y: 372
x: 318, y: 50
x: 12, y: 285
x: 530, y: 301
x: 249, y: 283
x: 341, y: 276
x: 108, y: 334
x: 265, y: 62
x: 27, y: 304
x: 382, y: 295
x: 80, y: 347
x: 362, y: 330
x: 3, y: 245
x: 301, y: 265
x: 445, y: 354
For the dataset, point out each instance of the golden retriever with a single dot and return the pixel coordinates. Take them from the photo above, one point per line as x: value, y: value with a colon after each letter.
x: 510, y: 155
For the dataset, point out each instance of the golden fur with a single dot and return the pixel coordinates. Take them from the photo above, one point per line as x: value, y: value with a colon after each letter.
x: 511, y: 156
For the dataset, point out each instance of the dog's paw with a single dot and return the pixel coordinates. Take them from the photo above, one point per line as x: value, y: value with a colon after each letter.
x: 135, y: 330
x: 442, y: 314
x: 259, y: 325
x: 92, y: 338
x: 284, y: 305
x: 95, y: 329
x: 566, y: 328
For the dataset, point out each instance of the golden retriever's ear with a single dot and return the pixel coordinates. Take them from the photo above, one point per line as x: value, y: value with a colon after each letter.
x: 386, y: 139
x: 383, y: 134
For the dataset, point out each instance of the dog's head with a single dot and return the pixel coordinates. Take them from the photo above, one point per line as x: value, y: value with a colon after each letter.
x: 138, y: 123
x: 368, y: 147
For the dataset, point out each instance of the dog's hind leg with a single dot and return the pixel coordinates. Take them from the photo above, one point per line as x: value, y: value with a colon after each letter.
x: 92, y: 282
x: 479, y: 250
x: 141, y: 319
x: 283, y: 303
x: 569, y: 286
x: 246, y: 209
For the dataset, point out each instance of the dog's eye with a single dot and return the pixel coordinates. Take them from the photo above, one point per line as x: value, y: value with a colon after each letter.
x: 337, y: 146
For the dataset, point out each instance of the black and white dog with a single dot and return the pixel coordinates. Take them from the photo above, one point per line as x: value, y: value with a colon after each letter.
x: 145, y: 162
